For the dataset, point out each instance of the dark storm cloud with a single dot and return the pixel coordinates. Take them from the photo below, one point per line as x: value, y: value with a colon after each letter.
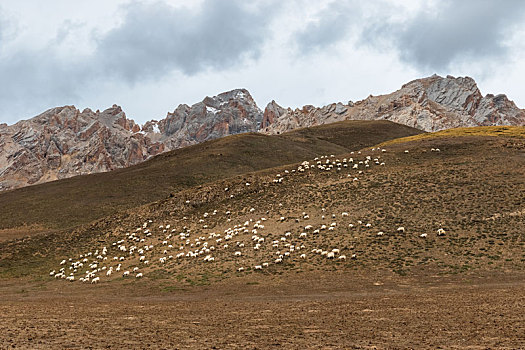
x: 332, y: 24
x: 453, y: 31
x: 152, y: 40
x: 433, y: 37
x: 155, y: 39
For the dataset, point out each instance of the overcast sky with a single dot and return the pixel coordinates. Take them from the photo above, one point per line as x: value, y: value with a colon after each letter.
x: 149, y: 56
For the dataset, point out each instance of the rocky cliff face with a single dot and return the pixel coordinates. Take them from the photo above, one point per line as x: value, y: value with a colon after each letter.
x: 228, y: 113
x: 430, y: 104
x: 64, y: 142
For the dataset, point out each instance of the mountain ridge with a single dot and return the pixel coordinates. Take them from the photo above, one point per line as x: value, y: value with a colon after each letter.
x: 430, y: 104
x: 63, y: 141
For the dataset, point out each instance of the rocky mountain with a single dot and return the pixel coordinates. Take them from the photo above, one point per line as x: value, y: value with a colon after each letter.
x: 228, y: 113
x: 429, y: 104
x: 64, y: 142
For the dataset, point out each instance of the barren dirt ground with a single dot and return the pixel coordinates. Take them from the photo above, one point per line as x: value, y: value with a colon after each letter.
x: 461, y: 290
x: 376, y: 310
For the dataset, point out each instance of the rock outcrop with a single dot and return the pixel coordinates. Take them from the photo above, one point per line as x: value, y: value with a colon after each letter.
x: 228, y: 113
x: 429, y: 104
x: 272, y: 112
x: 64, y: 142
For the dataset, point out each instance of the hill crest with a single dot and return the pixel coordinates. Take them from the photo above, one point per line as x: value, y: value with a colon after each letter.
x: 64, y: 142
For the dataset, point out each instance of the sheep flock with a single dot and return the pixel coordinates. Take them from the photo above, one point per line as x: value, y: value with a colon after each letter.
x: 249, y: 240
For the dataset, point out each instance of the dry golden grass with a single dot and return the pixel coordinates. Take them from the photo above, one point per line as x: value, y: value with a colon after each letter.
x: 507, y: 131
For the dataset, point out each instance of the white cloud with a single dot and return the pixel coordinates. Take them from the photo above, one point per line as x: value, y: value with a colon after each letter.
x: 450, y: 32
x: 151, y: 55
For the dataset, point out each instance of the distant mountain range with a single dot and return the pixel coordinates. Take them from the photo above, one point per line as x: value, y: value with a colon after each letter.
x: 64, y: 141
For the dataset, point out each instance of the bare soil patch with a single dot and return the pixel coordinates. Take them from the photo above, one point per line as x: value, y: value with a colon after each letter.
x: 330, y: 311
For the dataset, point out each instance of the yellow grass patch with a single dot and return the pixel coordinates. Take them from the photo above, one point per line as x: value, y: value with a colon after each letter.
x: 507, y: 131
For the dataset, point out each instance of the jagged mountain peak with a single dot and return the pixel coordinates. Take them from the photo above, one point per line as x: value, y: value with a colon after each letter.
x: 271, y: 113
x: 64, y: 141
x: 431, y: 104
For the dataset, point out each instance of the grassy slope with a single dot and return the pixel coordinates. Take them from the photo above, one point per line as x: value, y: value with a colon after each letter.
x: 70, y: 202
x: 465, y: 189
x: 508, y: 131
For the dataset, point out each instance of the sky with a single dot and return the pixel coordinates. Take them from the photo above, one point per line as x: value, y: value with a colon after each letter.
x: 150, y: 56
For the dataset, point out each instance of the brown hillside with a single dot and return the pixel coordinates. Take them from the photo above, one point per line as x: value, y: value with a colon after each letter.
x: 451, y: 278
x: 70, y: 202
